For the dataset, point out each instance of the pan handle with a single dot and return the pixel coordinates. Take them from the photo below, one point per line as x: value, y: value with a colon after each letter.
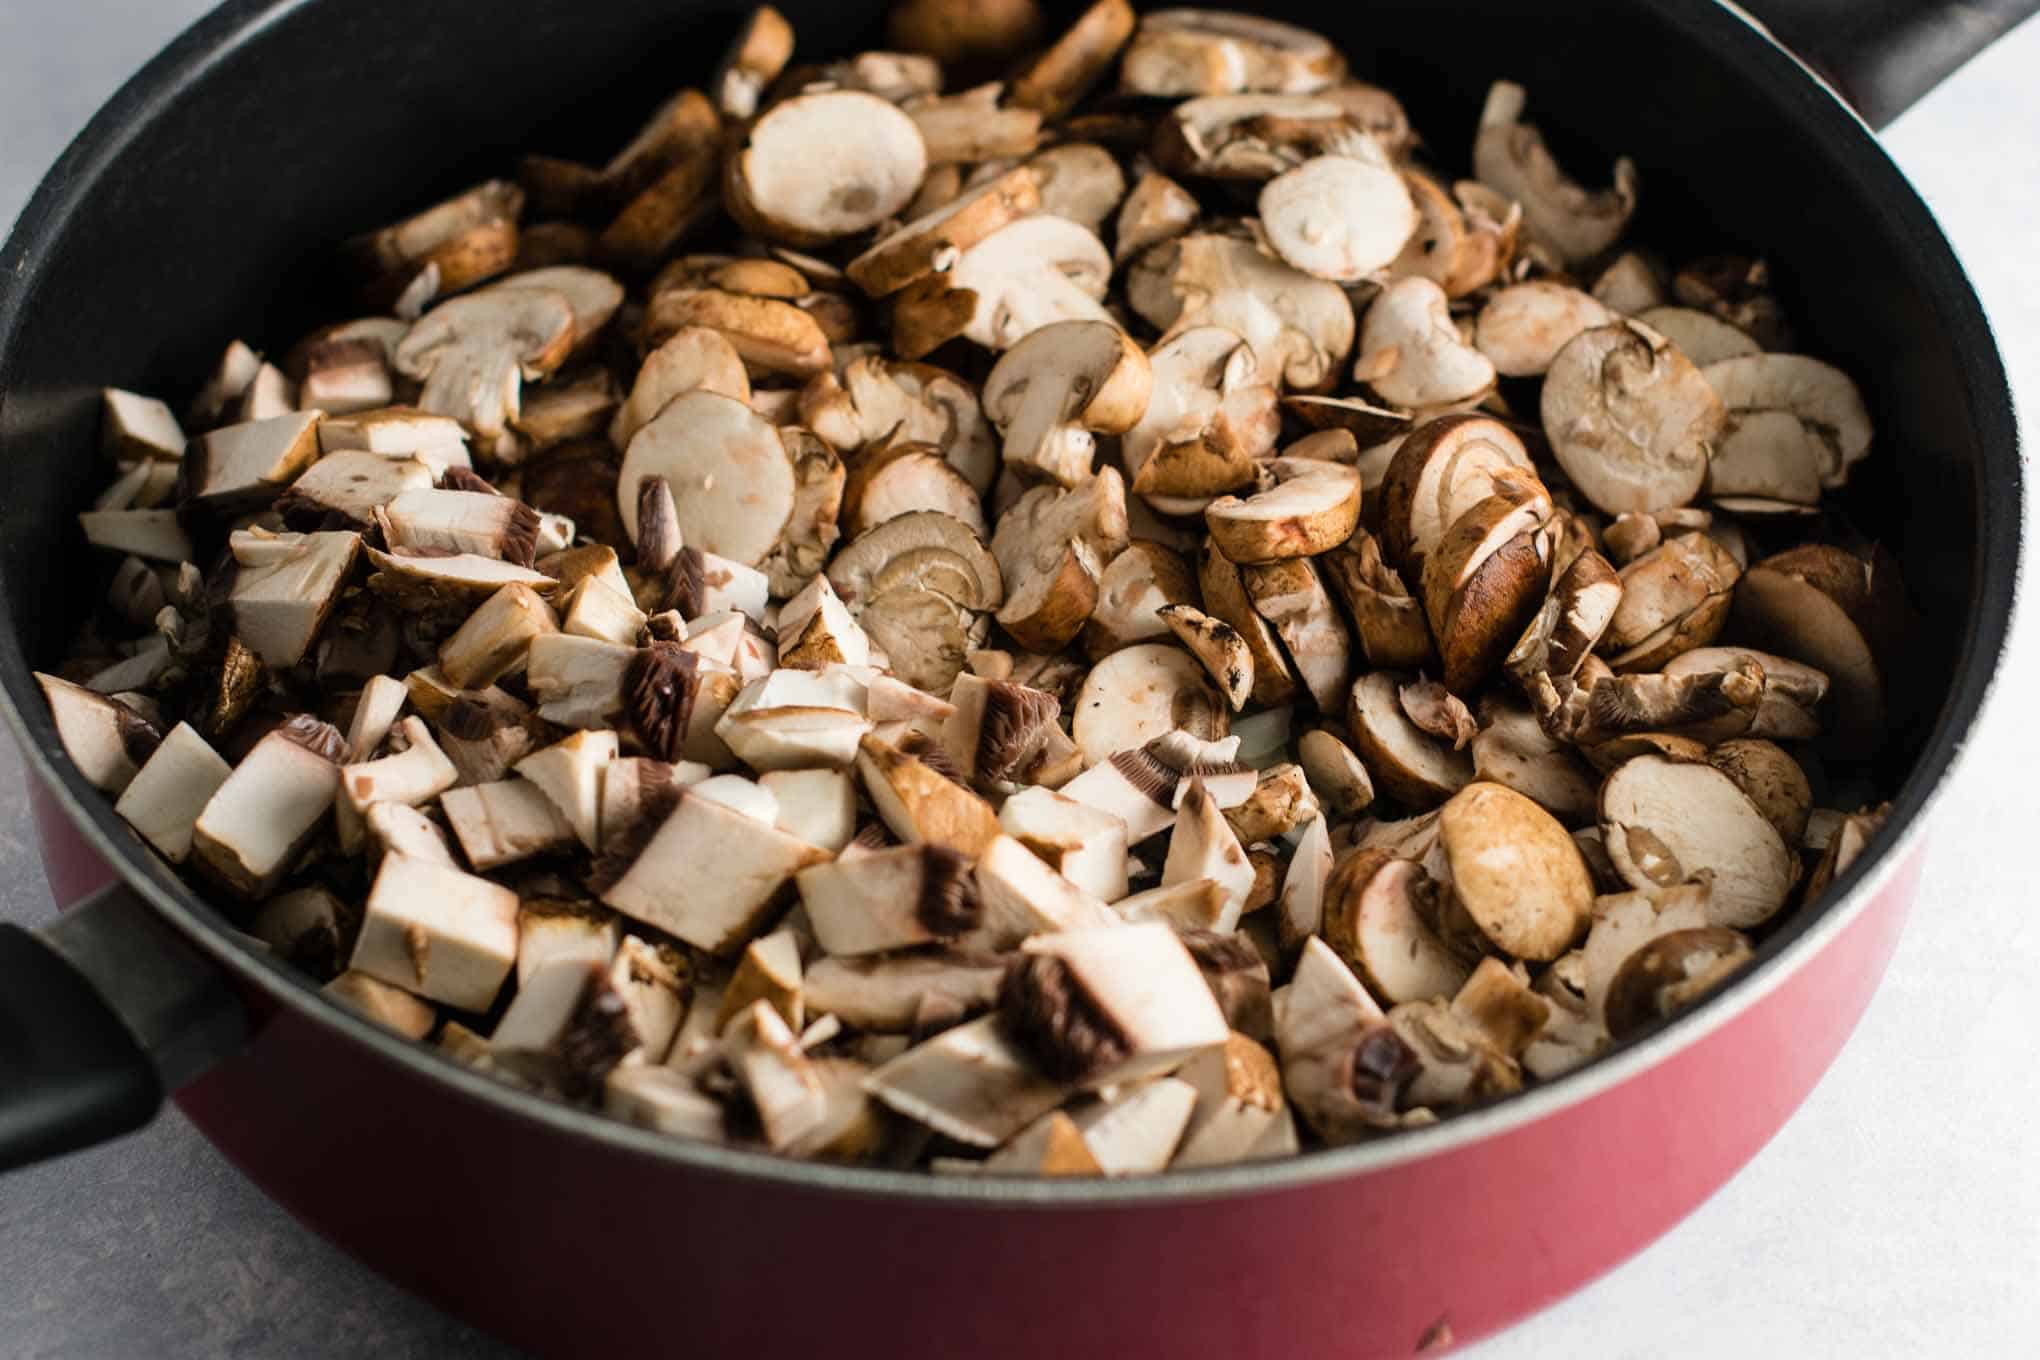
x: 101, y: 1014
x: 1883, y: 55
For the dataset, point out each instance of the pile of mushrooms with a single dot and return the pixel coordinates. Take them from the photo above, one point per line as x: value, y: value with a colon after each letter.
x: 1113, y: 617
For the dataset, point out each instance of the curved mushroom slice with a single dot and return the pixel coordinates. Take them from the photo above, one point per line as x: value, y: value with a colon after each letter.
x: 473, y: 353
x: 1670, y: 974
x: 1406, y: 761
x: 1137, y: 586
x: 1701, y: 337
x: 1249, y: 137
x: 455, y: 244
x: 1823, y: 397
x: 824, y: 165
x: 961, y: 31
x: 1514, y: 872
x: 1630, y: 419
x: 1674, y: 598
x: 1178, y: 52
x: 1522, y: 328
x: 1510, y: 157
x: 1218, y: 646
x: 593, y: 295
x: 970, y: 126
x: 1704, y: 820
x: 1080, y: 181
x: 1434, y: 250
x: 1378, y: 909
x: 1737, y: 290
x: 774, y: 338
x: 108, y: 741
x: 1513, y: 750
x: 753, y: 61
x: 1051, y: 545
x: 1313, y: 507
x: 1210, y: 416
x: 884, y: 483
x: 1850, y: 837
x: 1387, y: 620
x: 1226, y: 599
x: 1291, y: 596
x: 1336, y: 775
x: 1052, y: 394
x: 932, y: 243
x: 1767, y: 462
x: 877, y: 399
x: 1412, y: 354
x: 1340, y: 217
x: 1487, y: 581
x: 922, y: 586
x: 1140, y: 693
x: 1156, y: 209
x: 1830, y: 611
x: 732, y: 481
x: 1301, y: 327
x: 1712, y: 706
x: 1792, y: 691
x: 1771, y: 779
x: 1032, y: 273
x: 1570, y: 624
x: 811, y: 531
x: 1057, y: 81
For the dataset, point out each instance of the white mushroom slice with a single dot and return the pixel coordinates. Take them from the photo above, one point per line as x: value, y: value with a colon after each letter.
x: 793, y: 720
x: 1140, y: 693
x: 691, y: 359
x: 1510, y: 157
x: 1377, y: 917
x: 1032, y: 273
x: 413, y: 775
x: 270, y: 395
x: 1143, y: 786
x: 391, y: 1007
x: 398, y: 432
x: 1188, y: 52
x: 932, y: 243
x: 881, y: 993
x: 398, y: 829
x: 476, y: 522
x: 920, y: 804
x: 593, y: 296
x: 135, y: 426
x: 1336, y: 775
x: 505, y: 822
x: 1194, y: 904
x: 474, y: 353
x: 753, y: 60
x: 740, y: 794
x: 1313, y: 507
x: 353, y: 484
x: 780, y: 1080
x: 1156, y: 209
x: 250, y: 462
x: 1021, y: 896
x: 1340, y: 217
x: 375, y: 712
x: 1202, y: 846
x: 579, y: 682
x: 1700, y: 336
x: 895, y: 898
x: 1301, y: 328
x: 662, y: 1101
x: 145, y: 663
x: 164, y: 799
x: 769, y: 970
x: 284, y: 592
x: 1239, y: 1103
x: 496, y: 639
x: 1218, y: 646
x: 1766, y: 459
x: 1522, y: 328
x: 1052, y: 1145
x: 1210, y: 417
x: 1105, y: 1006
x: 570, y: 773
x: 1342, y: 1065
x: 824, y: 165
x: 773, y: 337
x: 1051, y: 546
x: 921, y: 587
x: 1084, y: 845
x: 1136, y: 1134
x: 1055, y: 391
x: 901, y: 478
x: 635, y: 788
x: 816, y: 806
x: 1057, y: 80
x: 1514, y: 750
x: 1630, y: 419
x: 1625, y: 923
x: 1291, y: 596
x: 1407, y: 762
x: 708, y: 875
x: 443, y: 934
x: 154, y: 534
x: 1633, y: 285
x: 971, y: 127
x: 970, y: 1083
x: 224, y: 387
x: 1412, y: 354
x: 1792, y: 691
x: 269, y: 808
x: 1824, y: 398
x: 144, y: 484
x: 596, y: 610
x: 732, y: 481
x: 1704, y: 820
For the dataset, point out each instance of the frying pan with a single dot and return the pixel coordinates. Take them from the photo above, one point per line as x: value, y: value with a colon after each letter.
x: 274, y: 127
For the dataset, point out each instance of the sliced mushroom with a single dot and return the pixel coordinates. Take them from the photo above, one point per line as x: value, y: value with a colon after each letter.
x: 1771, y: 779
x: 921, y: 586
x: 1487, y: 580
x: 1210, y: 416
x: 1188, y: 52
x: 1792, y: 691
x: 1139, y: 693
x: 1388, y: 621
x: 1138, y: 584
x: 1674, y: 599
x: 496, y: 639
x: 1057, y: 80
x: 1032, y: 273
x: 1291, y: 596
x: 451, y: 245
x: 1085, y: 846
x: 729, y: 471
x: 932, y: 242
x: 1671, y: 973
x: 1282, y: 801
x: 1341, y: 217
x: 1824, y: 398
x: 1630, y: 419
x: 1051, y: 544
x: 267, y: 811
x: 775, y: 339
x: 1406, y: 761
x: 1203, y: 845
x: 955, y: 32
x: 1301, y: 328
x: 1562, y: 638
x: 1106, y: 1006
x: 1336, y: 775
x: 1737, y: 290
x: 1632, y: 284
x: 1378, y: 910
x: 1832, y: 611
x: 971, y: 1083
x: 1412, y: 354
x: 1055, y: 391
x: 243, y: 464
x: 165, y: 797
x: 754, y: 60
x: 1708, y: 707
x: 1156, y: 209
x: 824, y: 165
x: 1515, y: 873
x: 1218, y: 646
x: 1510, y: 157
x: 391, y: 1007
x: 877, y: 400
x: 1313, y: 507
x: 1703, y: 338
x: 1704, y: 820
x: 1142, y: 785
x: 473, y: 354
x: 1513, y: 750
x: 1522, y: 328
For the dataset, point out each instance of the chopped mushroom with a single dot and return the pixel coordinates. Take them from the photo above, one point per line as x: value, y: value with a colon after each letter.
x: 1340, y: 217
x: 1055, y: 391
x: 1630, y: 419
x: 1510, y: 157
x: 1702, y: 818
x: 824, y: 165
x: 1413, y: 355
x: 1184, y: 51
x: 1301, y: 328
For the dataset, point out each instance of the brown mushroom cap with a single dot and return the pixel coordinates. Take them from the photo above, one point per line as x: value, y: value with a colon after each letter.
x: 1486, y: 582
x: 1515, y: 871
x: 1630, y: 419
x: 1674, y: 598
x: 1707, y: 823
x: 926, y: 244
x: 1218, y: 646
x: 1670, y: 973
x: 1313, y: 507
x: 1057, y: 80
x: 1442, y: 469
x: 824, y: 165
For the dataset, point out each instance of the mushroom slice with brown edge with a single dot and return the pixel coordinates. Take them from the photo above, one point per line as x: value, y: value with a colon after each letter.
x: 1142, y: 785
x: 1767, y: 462
x: 1202, y: 845
x: 1632, y: 284
x: 579, y: 682
x: 437, y: 522
x: 1824, y: 398
x: 1407, y: 762
x: 1512, y: 749
x: 1705, y: 820
x: 1051, y: 547
x: 135, y: 426
x: 269, y: 808
x: 1139, y: 693
x: 816, y: 630
x: 570, y: 773
x: 1313, y: 507
x: 879, y: 399
x: 1079, y: 180
x: 1136, y: 1132
x: 1100, y: 1007
x: 1020, y: 896
x: 1828, y: 609
x: 1291, y: 596
x: 1486, y: 582
x: 239, y: 465
x: 1156, y: 209
x: 593, y: 296
x: 899, y: 478
x: 971, y: 1083
x: 1701, y: 337
x: 933, y: 242
x: 1301, y: 328
x: 1210, y: 416
x: 415, y: 773
x: 1707, y: 707
x: 1630, y: 419
x: 1515, y: 874
x: 1084, y: 845
x: 1239, y: 1100
x: 997, y: 732
x: 504, y: 822
x: 1388, y: 622
x: 775, y: 339
x: 566, y: 1028
x: 1180, y: 52
x: 1510, y: 157
x: 1031, y: 273
x: 1674, y: 598
x: 1441, y: 470
x: 1792, y: 694
x: 1379, y: 914
x: 824, y: 165
x: 692, y: 358
x: 1055, y: 391
x: 1412, y: 354
x: 446, y: 935
x: 496, y: 639
x: 284, y: 588
x: 1218, y: 646
x: 1057, y: 80
x: 894, y: 899
x: 1341, y: 217
x: 1771, y: 779
x: 1671, y: 973
x: 1570, y: 624
x: 1226, y: 599
x: 551, y: 928
x: 754, y: 60
x: 972, y: 127
x: 732, y: 480
x: 920, y: 804
x: 1336, y: 775
x: 1344, y: 1067
x: 708, y: 874
x: 474, y: 353
x: 1282, y: 801
x: 1137, y: 585
x: 164, y: 799
x: 350, y: 485
x: 922, y: 587
x: 1523, y: 327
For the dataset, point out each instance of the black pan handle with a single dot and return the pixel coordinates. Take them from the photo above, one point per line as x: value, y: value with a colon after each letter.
x: 1883, y: 55
x: 101, y: 1013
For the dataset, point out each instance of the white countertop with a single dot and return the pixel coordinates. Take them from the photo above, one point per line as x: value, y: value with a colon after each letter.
x: 1898, y: 1213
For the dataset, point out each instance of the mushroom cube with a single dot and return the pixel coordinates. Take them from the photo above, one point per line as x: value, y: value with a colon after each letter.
x: 920, y: 804
x: 566, y: 1028
x: 1085, y: 845
x: 266, y: 812
x: 895, y: 898
x: 391, y: 1007
x: 971, y: 1083
x: 246, y: 464
x: 505, y: 822
x: 570, y: 773
x: 164, y: 799
x: 135, y: 426
x: 496, y: 639
x: 157, y: 535
x: 548, y: 930
x: 1239, y: 1099
x: 579, y: 681
x: 443, y: 934
x: 816, y: 806
x: 413, y: 776
x: 782, y: 1084
x: 1105, y: 1006
x: 108, y: 741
